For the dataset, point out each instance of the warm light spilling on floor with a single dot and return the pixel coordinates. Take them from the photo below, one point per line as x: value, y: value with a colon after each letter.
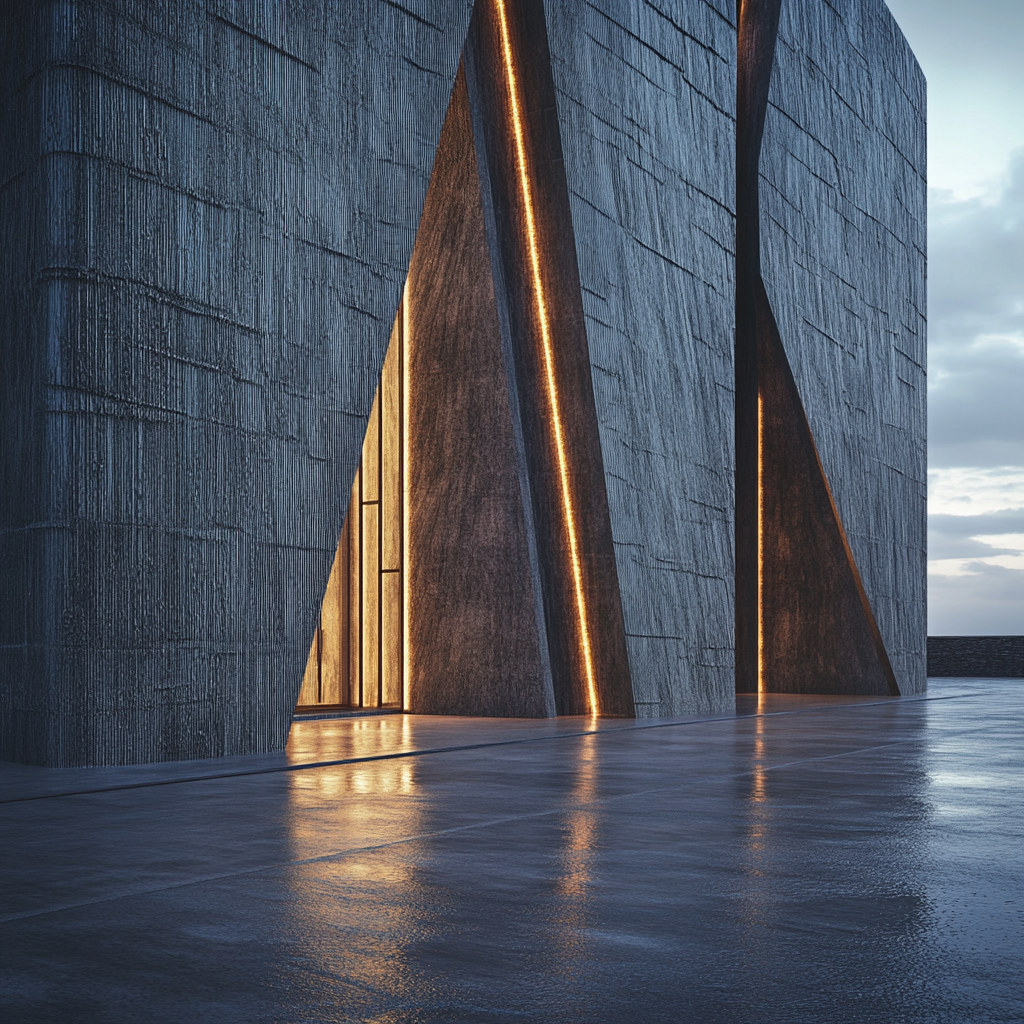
x: 574, y: 894
x: 549, y: 368
x: 760, y: 543
x: 758, y: 792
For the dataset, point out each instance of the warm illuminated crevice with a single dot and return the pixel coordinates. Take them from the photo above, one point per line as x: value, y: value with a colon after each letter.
x: 803, y: 620
x: 523, y: 173
x: 406, y: 319
x: 760, y: 543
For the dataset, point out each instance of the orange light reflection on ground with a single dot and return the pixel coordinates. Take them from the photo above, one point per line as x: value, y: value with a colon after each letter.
x: 347, y: 818
x: 581, y: 824
x: 758, y: 791
x: 756, y: 894
x: 549, y: 368
x: 571, y: 910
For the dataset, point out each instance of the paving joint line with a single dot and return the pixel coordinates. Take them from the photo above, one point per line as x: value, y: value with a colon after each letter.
x: 396, y: 755
x: 436, y: 833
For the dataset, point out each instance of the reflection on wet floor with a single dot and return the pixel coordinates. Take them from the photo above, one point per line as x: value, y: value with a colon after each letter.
x: 315, y: 740
x: 756, y: 895
x: 331, y: 739
x: 335, y: 738
x: 571, y: 907
x: 803, y: 860
x: 353, y: 916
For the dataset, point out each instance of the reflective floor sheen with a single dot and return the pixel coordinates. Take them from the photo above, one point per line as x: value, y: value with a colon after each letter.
x: 826, y: 860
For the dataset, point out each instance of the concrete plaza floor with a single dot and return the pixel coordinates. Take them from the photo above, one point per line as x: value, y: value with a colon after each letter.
x: 811, y: 859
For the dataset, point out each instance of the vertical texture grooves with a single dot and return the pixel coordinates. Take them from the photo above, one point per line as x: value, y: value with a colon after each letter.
x: 222, y: 219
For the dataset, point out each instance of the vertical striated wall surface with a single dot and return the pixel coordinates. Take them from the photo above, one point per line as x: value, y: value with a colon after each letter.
x: 646, y: 97
x: 212, y: 207
x: 843, y: 222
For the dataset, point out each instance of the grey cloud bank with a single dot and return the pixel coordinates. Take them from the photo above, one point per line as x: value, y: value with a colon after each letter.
x: 976, y: 343
x: 970, y: 54
x: 976, y: 413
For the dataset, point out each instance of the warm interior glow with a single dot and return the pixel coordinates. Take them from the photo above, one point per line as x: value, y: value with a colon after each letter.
x: 760, y: 543
x: 358, y: 655
x: 549, y: 368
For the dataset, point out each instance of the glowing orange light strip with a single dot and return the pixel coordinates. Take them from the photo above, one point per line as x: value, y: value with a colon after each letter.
x: 760, y: 543
x: 404, y: 385
x: 549, y: 368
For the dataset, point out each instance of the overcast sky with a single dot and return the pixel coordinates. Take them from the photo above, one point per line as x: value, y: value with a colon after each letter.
x: 971, y: 53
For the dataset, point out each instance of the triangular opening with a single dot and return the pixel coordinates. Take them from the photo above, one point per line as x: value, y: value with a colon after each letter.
x: 356, y: 659
x: 492, y: 588
x: 803, y: 620
x: 816, y: 631
x: 431, y: 604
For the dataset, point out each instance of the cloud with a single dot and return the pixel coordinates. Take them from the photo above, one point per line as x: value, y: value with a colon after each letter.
x: 976, y: 412
x: 973, y: 491
x: 976, y: 328
x: 976, y: 573
x: 972, y: 537
x: 987, y: 600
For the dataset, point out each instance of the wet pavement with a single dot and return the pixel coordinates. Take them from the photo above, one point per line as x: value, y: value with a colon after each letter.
x: 811, y: 859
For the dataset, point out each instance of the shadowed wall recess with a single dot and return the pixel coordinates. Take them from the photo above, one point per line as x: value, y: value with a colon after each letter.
x: 510, y: 595
x: 803, y: 620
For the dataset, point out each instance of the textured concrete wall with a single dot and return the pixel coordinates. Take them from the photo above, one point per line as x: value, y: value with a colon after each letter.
x: 537, y: 287
x: 989, y: 657
x: 843, y: 260
x: 646, y: 107
x: 208, y: 211
x: 211, y: 207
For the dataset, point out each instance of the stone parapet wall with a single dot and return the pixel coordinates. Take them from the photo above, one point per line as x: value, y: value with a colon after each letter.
x: 988, y: 657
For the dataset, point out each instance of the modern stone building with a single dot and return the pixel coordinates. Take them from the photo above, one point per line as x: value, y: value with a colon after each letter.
x: 594, y: 330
